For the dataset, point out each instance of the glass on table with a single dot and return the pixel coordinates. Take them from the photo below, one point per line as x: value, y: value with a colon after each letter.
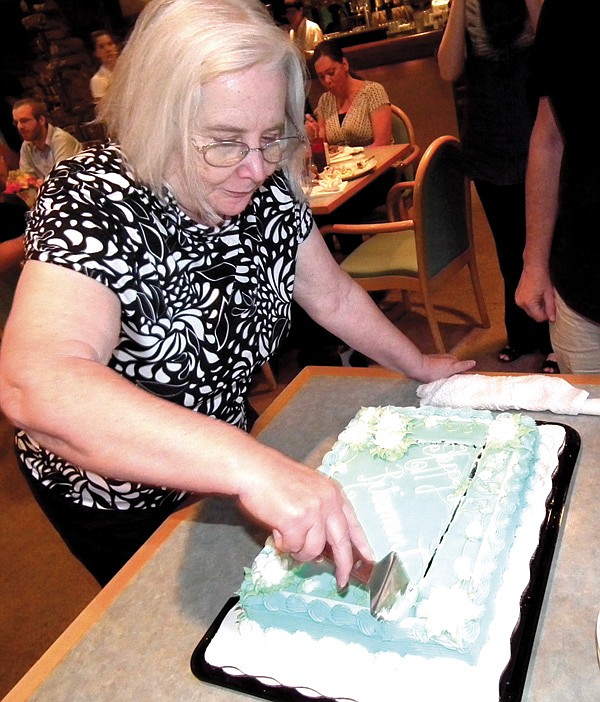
x: 318, y: 152
x: 310, y: 174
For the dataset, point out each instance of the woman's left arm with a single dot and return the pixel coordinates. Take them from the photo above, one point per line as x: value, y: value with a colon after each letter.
x: 381, y: 124
x: 340, y: 305
x: 534, y: 8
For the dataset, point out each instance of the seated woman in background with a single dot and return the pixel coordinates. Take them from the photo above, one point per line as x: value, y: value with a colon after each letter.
x: 353, y: 111
x: 106, y: 51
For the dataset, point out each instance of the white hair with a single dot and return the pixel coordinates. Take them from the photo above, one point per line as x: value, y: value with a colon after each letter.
x: 176, y: 47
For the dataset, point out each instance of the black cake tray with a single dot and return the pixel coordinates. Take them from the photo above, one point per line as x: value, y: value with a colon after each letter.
x: 512, y: 680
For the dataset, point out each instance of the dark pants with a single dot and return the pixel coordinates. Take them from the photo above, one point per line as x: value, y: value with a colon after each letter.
x: 504, y: 207
x: 102, y: 540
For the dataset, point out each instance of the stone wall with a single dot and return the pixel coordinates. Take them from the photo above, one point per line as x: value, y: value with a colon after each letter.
x: 61, y: 68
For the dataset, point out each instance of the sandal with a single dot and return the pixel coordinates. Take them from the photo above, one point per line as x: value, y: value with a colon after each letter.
x: 550, y: 367
x: 508, y: 354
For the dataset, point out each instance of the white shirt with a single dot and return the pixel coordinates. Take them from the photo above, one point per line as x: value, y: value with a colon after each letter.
x: 309, y: 34
x: 99, y: 83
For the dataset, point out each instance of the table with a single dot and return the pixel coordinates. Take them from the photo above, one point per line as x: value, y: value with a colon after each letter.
x: 135, y: 639
x: 386, y: 156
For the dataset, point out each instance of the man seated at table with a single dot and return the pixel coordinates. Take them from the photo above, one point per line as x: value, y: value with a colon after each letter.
x: 44, y: 145
x: 305, y: 33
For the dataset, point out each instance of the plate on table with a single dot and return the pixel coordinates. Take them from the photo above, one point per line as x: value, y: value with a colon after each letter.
x: 222, y: 634
x: 355, y: 169
x: 339, y: 154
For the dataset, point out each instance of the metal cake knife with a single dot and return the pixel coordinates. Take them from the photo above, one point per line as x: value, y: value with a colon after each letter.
x: 385, y: 579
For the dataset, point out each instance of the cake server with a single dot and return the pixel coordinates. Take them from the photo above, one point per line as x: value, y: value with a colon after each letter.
x: 385, y: 579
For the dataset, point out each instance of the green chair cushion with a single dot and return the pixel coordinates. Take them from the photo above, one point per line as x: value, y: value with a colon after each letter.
x: 383, y: 254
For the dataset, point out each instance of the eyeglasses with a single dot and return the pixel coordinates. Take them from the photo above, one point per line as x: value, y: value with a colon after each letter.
x: 223, y: 154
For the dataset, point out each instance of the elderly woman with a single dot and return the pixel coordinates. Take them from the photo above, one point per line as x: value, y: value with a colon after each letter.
x: 352, y: 111
x: 159, y: 276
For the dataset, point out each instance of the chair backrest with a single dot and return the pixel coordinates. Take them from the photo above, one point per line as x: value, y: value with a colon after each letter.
x: 402, y: 128
x: 403, y: 133
x: 442, y: 205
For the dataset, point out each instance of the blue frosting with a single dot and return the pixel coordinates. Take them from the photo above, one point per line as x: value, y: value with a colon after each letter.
x: 405, y: 504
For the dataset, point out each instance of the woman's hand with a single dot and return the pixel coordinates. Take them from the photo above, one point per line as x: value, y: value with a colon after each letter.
x: 443, y: 365
x: 312, y: 126
x: 305, y: 511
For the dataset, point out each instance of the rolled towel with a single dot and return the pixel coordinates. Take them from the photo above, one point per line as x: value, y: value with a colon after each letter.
x: 537, y: 393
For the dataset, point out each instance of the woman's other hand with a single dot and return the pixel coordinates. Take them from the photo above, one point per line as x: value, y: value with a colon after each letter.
x: 443, y: 365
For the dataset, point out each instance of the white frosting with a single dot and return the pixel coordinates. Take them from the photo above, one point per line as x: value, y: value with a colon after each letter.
x: 331, y: 668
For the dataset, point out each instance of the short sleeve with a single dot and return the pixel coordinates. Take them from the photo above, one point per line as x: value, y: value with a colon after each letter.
x: 79, y: 221
x: 376, y: 96
x: 283, y: 217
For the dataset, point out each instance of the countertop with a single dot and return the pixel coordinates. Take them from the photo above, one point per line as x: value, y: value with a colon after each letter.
x: 135, y: 639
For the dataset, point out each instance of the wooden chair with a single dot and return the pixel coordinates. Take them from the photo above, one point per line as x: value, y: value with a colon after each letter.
x: 421, y: 253
x: 404, y: 133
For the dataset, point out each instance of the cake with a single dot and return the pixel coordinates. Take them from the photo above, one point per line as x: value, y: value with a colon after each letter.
x: 460, y: 496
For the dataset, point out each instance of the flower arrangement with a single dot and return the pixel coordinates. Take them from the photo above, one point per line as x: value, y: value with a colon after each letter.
x: 19, y: 181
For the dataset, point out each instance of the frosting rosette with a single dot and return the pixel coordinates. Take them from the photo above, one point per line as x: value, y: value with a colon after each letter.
x: 270, y: 567
x: 446, y: 612
x: 381, y: 431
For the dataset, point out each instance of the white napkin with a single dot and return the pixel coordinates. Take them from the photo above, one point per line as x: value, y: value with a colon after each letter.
x: 346, y: 153
x: 537, y: 393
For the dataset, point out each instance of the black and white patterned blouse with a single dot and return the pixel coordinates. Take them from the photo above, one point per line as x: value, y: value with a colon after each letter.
x: 201, y: 307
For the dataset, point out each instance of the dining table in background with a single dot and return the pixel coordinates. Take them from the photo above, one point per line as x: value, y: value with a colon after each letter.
x: 135, y: 640
x: 385, y: 156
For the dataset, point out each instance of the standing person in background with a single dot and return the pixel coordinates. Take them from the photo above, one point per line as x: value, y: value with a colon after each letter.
x: 489, y: 42
x: 560, y: 264
x: 305, y: 33
x: 159, y: 277
x: 352, y: 111
x: 106, y: 50
x: 44, y: 145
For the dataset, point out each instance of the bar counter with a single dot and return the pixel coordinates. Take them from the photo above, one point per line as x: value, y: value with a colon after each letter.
x: 406, y: 47
x: 135, y: 639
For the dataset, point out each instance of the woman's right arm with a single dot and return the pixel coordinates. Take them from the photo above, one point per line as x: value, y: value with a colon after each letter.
x: 55, y: 384
x: 452, y: 49
x: 534, y: 7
